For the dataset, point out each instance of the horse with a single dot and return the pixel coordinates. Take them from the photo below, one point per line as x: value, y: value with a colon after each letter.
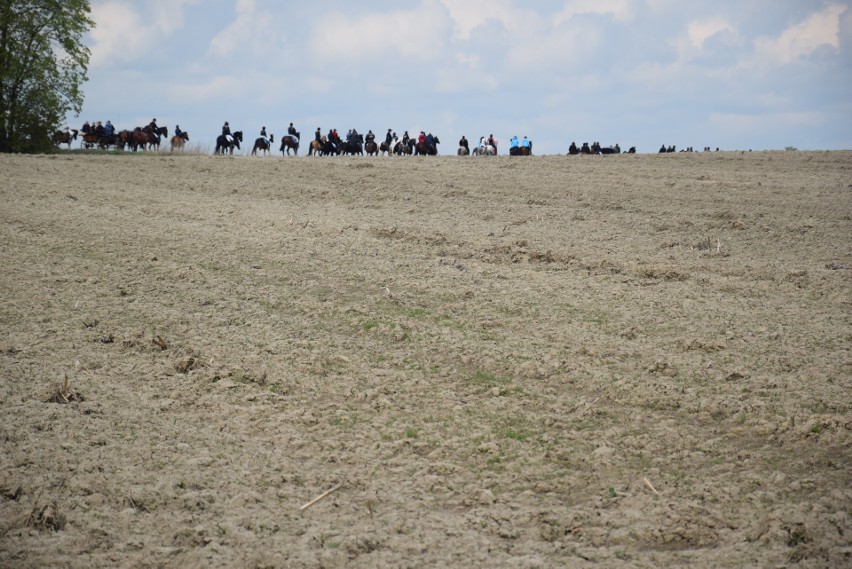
x: 371, y: 148
x: 610, y: 149
x: 224, y: 143
x: 486, y: 150
x: 463, y: 151
x: 178, y: 142
x: 387, y: 147
x: 573, y: 150
x: 404, y: 147
x: 354, y: 146
x: 263, y: 144
x: 123, y: 138
x: 135, y: 138
x: 330, y: 148
x: 426, y: 149
x: 60, y: 137
x: 291, y: 142
x: 520, y: 151
x: 315, y: 147
x: 154, y: 135
x: 89, y: 139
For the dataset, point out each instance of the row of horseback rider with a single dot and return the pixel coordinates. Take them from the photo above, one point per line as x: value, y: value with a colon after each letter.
x: 426, y: 143
x: 105, y: 135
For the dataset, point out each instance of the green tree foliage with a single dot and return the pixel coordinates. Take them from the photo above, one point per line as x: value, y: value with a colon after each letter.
x: 43, y: 65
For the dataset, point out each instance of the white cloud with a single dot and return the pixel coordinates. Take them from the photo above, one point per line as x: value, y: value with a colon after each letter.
x: 620, y: 10
x: 122, y: 33
x: 700, y: 31
x: 250, y: 30
x: 118, y: 35
x: 819, y: 29
x: 563, y: 48
x: 468, y: 15
x: 413, y: 33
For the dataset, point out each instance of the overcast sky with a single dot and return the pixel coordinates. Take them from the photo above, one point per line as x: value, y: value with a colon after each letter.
x: 734, y: 74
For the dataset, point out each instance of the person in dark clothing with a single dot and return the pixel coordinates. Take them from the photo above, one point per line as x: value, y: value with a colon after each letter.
x: 226, y: 130
x: 318, y: 135
x: 291, y: 130
x: 463, y: 143
x: 388, y: 137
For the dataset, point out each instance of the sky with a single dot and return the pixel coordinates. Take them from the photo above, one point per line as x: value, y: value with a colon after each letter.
x: 733, y: 74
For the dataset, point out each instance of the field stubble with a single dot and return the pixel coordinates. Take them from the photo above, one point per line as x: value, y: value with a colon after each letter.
x: 613, y: 361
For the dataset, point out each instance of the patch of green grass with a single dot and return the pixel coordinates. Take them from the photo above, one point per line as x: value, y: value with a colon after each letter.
x: 415, y: 312
x: 369, y: 325
x: 484, y: 378
x: 411, y: 433
x: 514, y: 428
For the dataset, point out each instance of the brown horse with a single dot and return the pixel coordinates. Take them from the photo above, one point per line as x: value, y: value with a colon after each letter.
x: 371, y: 148
x: 88, y: 139
x: 154, y: 136
x: 315, y: 148
x: 138, y: 138
x: 424, y: 149
x: 178, y: 142
x: 291, y: 142
x: 124, y: 138
x: 263, y: 144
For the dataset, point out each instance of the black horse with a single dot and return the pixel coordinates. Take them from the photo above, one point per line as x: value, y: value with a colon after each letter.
x: 354, y: 145
x: 426, y: 149
x: 223, y: 143
x: 330, y: 148
x: 611, y: 149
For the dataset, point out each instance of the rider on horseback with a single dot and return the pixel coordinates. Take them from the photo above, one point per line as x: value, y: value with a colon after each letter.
x: 463, y: 143
x: 226, y: 132
x: 264, y: 136
x: 370, y: 136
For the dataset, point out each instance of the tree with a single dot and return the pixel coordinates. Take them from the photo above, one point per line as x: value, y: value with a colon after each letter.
x: 43, y: 65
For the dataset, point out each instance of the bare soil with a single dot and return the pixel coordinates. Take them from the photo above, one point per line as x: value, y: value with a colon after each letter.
x: 622, y: 361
